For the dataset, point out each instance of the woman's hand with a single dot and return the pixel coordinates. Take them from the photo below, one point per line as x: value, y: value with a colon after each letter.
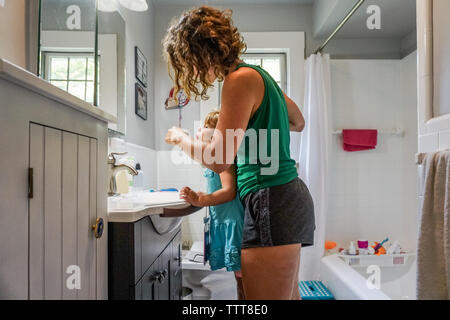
x: 296, y: 120
x: 191, y: 196
x: 175, y: 135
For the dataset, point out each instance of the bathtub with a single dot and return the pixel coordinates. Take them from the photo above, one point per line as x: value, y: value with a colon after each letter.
x: 350, y: 282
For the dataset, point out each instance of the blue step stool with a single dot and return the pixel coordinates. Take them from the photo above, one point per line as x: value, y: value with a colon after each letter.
x: 314, y: 290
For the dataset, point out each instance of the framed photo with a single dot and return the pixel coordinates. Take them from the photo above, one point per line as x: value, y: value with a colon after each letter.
x: 141, y: 101
x: 141, y: 67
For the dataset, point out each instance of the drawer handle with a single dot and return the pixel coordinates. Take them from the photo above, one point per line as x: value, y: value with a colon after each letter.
x: 98, y: 228
x: 163, y: 275
x: 155, y: 277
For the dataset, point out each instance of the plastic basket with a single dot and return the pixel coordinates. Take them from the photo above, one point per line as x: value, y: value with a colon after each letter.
x: 314, y: 290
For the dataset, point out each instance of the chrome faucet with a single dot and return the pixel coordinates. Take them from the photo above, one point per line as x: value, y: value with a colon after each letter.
x: 113, y: 168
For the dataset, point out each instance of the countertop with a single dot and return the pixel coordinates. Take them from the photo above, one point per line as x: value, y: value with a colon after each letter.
x: 28, y: 80
x: 137, y: 213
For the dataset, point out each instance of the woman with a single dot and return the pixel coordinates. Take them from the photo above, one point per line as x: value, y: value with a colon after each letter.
x: 202, y: 46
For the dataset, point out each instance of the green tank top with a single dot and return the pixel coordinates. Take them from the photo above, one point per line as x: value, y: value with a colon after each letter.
x: 264, y: 159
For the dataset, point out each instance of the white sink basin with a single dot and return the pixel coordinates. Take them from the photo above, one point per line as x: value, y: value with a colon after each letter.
x: 138, y: 200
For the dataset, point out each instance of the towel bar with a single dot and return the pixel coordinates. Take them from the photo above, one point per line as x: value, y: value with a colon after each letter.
x: 421, y: 156
x: 393, y: 132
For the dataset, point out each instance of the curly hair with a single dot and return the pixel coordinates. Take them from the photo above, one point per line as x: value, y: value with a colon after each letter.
x: 211, y: 119
x: 201, y: 39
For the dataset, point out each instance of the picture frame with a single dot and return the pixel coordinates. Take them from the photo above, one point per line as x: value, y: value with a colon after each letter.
x: 140, y: 101
x: 141, y: 67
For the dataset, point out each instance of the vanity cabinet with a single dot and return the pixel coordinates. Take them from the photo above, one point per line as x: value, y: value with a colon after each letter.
x: 143, y: 264
x: 53, y: 189
x: 62, y: 210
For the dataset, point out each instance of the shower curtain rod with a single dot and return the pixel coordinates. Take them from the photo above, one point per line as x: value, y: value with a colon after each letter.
x: 339, y: 27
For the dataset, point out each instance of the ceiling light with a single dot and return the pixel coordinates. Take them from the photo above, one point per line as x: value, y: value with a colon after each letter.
x: 108, y: 5
x: 135, y: 5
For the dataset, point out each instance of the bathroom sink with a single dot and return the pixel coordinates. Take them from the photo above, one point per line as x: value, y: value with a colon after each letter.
x: 144, y: 199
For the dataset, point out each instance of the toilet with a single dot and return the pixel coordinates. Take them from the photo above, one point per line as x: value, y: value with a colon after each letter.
x: 206, y: 284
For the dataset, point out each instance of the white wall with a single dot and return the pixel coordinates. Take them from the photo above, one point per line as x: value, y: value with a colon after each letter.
x: 12, y: 32
x: 434, y: 125
x: 248, y: 18
x: 373, y: 193
x: 441, y: 57
x: 140, y: 32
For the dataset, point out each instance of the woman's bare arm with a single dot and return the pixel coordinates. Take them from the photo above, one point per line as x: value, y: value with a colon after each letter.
x: 239, y: 98
x: 296, y: 120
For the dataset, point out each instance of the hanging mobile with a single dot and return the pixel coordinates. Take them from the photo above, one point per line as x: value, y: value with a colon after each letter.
x: 181, y: 101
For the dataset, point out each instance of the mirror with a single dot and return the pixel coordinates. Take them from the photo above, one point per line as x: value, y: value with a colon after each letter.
x: 71, y: 32
x: 67, y: 43
x: 111, y: 59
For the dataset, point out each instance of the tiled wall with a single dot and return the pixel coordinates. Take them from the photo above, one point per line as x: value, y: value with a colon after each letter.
x: 172, y: 174
x: 373, y: 194
x: 170, y: 169
x: 434, y: 132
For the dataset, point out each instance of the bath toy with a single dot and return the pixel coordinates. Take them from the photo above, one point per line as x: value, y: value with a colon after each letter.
x: 379, y: 249
x: 330, y: 245
x: 394, y: 248
x: 378, y: 245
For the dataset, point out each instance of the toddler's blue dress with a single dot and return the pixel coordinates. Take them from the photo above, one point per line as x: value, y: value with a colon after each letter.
x: 226, y: 226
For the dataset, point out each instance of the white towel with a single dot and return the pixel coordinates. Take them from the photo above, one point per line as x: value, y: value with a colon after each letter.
x: 433, y: 249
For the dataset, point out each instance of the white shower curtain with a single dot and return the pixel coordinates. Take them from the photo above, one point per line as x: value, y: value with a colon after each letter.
x: 313, y: 158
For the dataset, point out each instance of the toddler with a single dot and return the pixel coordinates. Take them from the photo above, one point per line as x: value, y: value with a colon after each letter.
x: 225, y: 210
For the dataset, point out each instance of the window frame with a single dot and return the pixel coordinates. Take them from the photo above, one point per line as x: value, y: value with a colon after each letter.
x: 46, y: 65
x: 267, y: 55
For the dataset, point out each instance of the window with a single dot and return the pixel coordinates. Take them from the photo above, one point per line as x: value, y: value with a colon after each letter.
x: 273, y: 63
x: 72, y: 72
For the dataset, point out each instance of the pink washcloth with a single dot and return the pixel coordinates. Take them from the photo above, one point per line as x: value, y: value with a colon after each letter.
x: 359, y: 140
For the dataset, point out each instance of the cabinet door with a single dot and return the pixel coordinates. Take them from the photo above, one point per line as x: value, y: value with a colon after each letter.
x: 62, y: 245
x: 149, y: 283
x: 164, y: 269
x: 175, y: 269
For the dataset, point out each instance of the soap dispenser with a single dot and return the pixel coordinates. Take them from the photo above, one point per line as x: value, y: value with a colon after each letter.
x: 139, y: 179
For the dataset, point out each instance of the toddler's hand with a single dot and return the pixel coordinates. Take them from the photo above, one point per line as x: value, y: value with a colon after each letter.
x: 174, y: 136
x: 190, y: 196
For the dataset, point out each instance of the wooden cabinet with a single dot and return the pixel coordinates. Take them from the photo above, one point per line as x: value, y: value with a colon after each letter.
x: 155, y: 283
x: 46, y: 217
x: 175, y: 269
x: 62, y: 212
x: 143, y: 264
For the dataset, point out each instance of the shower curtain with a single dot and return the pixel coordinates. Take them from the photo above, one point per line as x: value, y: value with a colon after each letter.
x: 313, y: 158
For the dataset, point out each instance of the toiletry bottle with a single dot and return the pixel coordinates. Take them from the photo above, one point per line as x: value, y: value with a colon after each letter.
x: 352, y: 249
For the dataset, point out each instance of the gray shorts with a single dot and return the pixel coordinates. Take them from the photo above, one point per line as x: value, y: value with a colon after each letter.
x: 278, y: 216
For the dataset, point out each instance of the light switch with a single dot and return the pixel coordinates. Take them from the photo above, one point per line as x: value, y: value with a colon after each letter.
x: 2, y: 3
